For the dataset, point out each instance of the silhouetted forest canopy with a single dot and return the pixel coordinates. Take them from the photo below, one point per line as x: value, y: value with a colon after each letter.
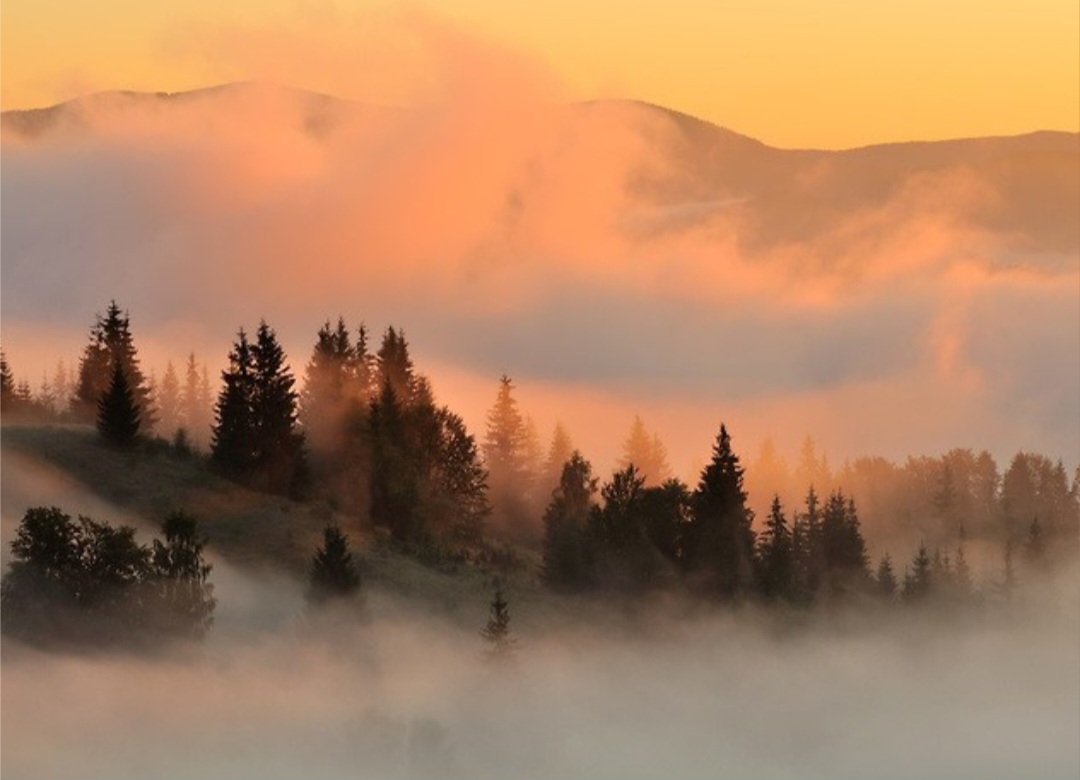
x: 362, y: 438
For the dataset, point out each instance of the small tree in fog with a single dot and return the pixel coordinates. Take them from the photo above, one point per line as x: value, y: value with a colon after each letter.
x: 918, y: 581
x: 776, y: 564
x: 886, y: 579
x: 333, y: 574
x: 501, y: 647
x: 118, y: 414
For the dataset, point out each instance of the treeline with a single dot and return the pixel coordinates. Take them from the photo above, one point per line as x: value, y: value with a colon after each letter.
x: 365, y: 436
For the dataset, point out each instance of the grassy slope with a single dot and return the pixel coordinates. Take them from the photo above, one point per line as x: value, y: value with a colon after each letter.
x: 251, y: 529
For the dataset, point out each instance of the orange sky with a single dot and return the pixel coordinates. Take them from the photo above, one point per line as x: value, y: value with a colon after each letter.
x: 831, y: 73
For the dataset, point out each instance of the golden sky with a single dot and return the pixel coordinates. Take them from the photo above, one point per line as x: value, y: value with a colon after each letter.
x: 832, y: 73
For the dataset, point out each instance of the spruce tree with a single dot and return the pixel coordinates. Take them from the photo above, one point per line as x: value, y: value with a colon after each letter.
x: 776, y: 564
x: 233, y: 449
x: 7, y: 384
x: 918, y: 582
x: 506, y: 459
x: 333, y: 574
x: 395, y: 367
x: 110, y: 342
x: 501, y: 647
x: 280, y: 461
x: 720, y: 542
x: 328, y: 389
x: 168, y: 402
x: 559, y: 451
x: 886, y: 579
x: 459, y: 482
x: 645, y: 452
x: 118, y: 414
x: 394, y: 483
x: 565, y: 523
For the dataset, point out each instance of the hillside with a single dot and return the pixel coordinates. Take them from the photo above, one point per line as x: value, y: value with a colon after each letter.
x: 66, y: 465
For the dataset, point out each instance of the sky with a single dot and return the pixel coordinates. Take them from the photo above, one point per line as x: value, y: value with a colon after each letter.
x: 829, y: 74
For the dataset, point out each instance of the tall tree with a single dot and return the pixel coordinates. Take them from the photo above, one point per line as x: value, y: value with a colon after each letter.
x: 918, y: 581
x: 506, y: 458
x: 565, y: 519
x: 328, y: 390
x: 333, y: 574
x: 110, y: 342
x: 645, y: 452
x: 394, y: 482
x: 118, y: 418
x: 168, y: 402
x: 720, y: 542
x: 280, y: 460
x: 7, y: 384
x: 776, y: 562
x: 395, y: 367
x: 233, y: 450
x: 886, y: 579
x: 458, y: 482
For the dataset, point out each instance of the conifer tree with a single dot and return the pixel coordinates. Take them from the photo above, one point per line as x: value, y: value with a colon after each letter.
x: 565, y: 523
x: 168, y: 402
x: 7, y: 384
x: 645, y: 452
x: 329, y: 389
x: 333, y: 574
x: 719, y: 540
x: 918, y: 582
x: 280, y: 462
x: 501, y: 647
x: 110, y: 341
x: 394, y: 483
x: 506, y: 459
x: 118, y: 413
x: 886, y: 579
x: 776, y: 565
x: 395, y: 367
x: 459, y: 481
x: 234, y: 450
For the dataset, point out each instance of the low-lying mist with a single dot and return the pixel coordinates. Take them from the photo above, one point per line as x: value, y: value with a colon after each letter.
x: 408, y: 695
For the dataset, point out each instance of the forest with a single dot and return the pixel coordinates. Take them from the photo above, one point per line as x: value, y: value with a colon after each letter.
x: 362, y: 436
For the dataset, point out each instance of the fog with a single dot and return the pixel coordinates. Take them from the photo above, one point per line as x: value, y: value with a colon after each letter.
x: 720, y: 696
x: 613, y: 257
x: 598, y: 689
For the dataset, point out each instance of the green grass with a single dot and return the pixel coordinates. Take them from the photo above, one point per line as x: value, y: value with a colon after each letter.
x: 256, y: 530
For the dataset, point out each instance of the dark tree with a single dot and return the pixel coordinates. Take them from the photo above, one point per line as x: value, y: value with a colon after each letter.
x: 280, y: 461
x: 187, y: 600
x: 843, y: 547
x: 720, y: 543
x: 333, y: 574
x: 458, y: 482
x: 394, y: 482
x: 233, y: 449
x: 620, y: 552
x: 7, y: 384
x: 395, y: 367
x: 808, y: 549
x: 501, y: 647
x: 118, y: 418
x: 564, y: 526
x: 667, y: 512
x: 329, y: 391
x: 918, y: 582
x: 776, y: 562
x: 886, y: 579
x: 110, y: 343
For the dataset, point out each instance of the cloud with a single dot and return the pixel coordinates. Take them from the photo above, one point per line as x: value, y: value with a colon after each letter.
x: 605, y: 250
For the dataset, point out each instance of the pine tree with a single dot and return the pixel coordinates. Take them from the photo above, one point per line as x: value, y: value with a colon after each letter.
x: 394, y: 482
x: 720, y: 542
x: 233, y: 450
x: 559, y: 451
x: 7, y: 384
x: 168, y: 402
x: 506, y: 458
x: 280, y: 463
x: 110, y: 341
x: 333, y: 574
x: 501, y: 647
x: 61, y: 388
x: 395, y: 367
x: 776, y: 564
x: 886, y: 579
x: 118, y: 418
x: 329, y: 390
x: 918, y: 582
x: 646, y: 452
x: 564, y: 526
x: 459, y: 481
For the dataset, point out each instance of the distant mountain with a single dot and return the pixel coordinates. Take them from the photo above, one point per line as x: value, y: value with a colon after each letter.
x: 1029, y: 184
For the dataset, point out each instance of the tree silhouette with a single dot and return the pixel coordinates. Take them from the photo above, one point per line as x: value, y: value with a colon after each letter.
x: 776, y: 563
x: 280, y: 462
x: 501, y: 647
x: 110, y: 342
x: 506, y: 458
x: 645, y: 452
x: 333, y: 574
x: 564, y: 526
x: 886, y: 579
x: 168, y: 402
x: 7, y: 384
x: 187, y: 598
x: 918, y: 582
x: 233, y: 449
x: 118, y: 414
x: 719, y: 540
